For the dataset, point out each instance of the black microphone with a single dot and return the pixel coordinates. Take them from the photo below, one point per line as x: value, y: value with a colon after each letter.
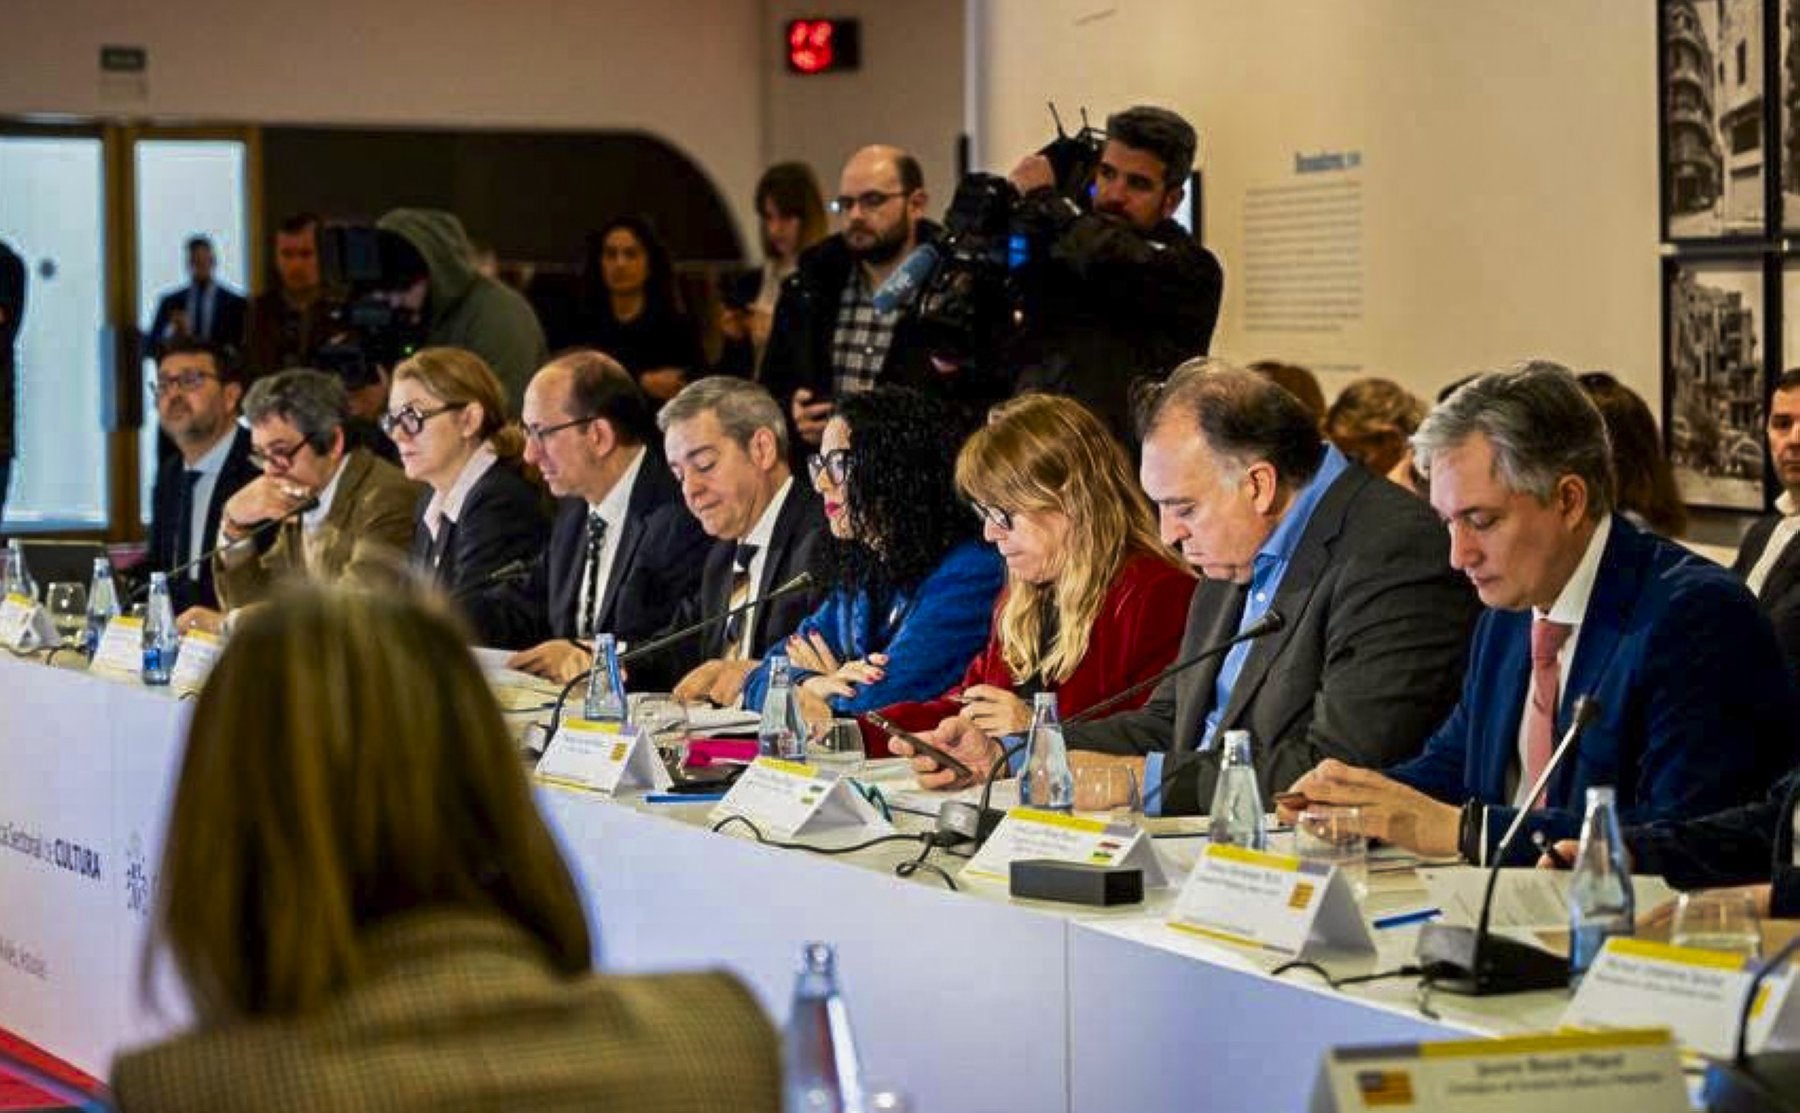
x: 512, y: 570
x: 799, y: 583
x: 1765, y: 1083
x: 312, y: 503
x: 1474, y: 961
x: 978, y: 821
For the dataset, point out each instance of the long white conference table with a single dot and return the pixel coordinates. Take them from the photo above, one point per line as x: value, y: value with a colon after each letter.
x: 965, y: 1000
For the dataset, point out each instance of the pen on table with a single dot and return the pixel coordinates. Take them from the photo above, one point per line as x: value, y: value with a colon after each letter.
x: 1542, y: 842
x: 1401, y: 919
x: 683, y: 798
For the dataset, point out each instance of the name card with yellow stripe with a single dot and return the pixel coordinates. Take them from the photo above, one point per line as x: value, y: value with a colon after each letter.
x: 1698, y: 993
x: 199, y: 652
x: 24, y: 624
x: 601, y: 757
x: 789, y: 799
x: 1634, y: 1071
x: 121, y: 648
x: 1028, y: 833
x: 1274, y: 902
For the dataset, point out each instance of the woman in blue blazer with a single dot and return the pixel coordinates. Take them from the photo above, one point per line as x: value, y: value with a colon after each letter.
x: 910, y: 585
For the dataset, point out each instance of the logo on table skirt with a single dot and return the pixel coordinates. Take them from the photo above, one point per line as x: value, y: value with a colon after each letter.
x: 138, y: 884
x: 1384, y: 1088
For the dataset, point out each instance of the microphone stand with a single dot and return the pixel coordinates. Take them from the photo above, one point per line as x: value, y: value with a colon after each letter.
x: 512, y: 570
x: 142, y: 591
x: 1764, y: 1083
x: 1476, y: 962
x: 977, y: 821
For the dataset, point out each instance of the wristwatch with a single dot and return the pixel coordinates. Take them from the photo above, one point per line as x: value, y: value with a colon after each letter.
x: 1471, y: 832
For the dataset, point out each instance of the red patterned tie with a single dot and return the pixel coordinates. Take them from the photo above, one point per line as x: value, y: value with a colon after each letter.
x: 1547, y: 639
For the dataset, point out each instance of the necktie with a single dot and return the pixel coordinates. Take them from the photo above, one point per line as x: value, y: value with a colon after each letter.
x: 596, y: 544
x: 1547, y: 640
x: 200, y: 321
x: 184, y: 522
x: 440, y: 544
x: 740, y: 594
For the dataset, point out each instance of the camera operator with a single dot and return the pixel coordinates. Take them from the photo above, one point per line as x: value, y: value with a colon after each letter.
x: 1122, y: 291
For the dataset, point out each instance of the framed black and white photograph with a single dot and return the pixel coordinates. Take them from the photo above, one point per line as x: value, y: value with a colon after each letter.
x: 1787, y: 108
x: 1714, y: 147
x: 1715, y: 322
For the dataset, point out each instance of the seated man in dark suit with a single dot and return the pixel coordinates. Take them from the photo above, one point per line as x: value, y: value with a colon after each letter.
x: 1769, y: 561
x: 197, y: 393
x: 1696, y: 708
x: 727, y: 444
x: 201, y: 310
x: 624, y: 552
x: 1276, y: 520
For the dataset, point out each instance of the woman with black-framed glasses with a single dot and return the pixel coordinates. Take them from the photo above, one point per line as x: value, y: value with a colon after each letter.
x: 910, y: 587
x: 479, y: 514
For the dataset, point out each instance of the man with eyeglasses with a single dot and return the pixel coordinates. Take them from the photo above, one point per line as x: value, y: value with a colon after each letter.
x: 197, y: 389
x: 343, y: 513
x: 624, y: 552
x: 828, y: 339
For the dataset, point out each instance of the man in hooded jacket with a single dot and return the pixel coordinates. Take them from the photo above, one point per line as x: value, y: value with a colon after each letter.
x: 466, y: 309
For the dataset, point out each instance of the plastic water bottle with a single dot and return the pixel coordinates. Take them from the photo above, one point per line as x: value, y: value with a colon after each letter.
x: 782, y: 732
x: 17, y: 573
x: 1601, y: 903
x: 102, y: 607
x: 161, y: 642
x: 1237, y: 807
x: 1045, y: 780
x: 823, y: 1073
x: 605, y: 702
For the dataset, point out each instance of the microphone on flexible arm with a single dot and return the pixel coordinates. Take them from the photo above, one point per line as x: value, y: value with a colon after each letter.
x: 1476, y: 962
x: 977, y: 821
x: 799, y: 583
x: 1768, y: 1082
x: 506, y: 573
x: 311, y: 503
x: 901, y: 287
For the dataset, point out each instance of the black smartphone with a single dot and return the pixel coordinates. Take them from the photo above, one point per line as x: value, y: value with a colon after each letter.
x: 942, y: 757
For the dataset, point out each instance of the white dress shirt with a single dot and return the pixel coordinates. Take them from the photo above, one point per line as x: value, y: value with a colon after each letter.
x: 612, y: 509
x: 1789, y: 509
x: 447, y: 505
x: 209, y: 466
x: 1569, y: 609
x: 759, y: 536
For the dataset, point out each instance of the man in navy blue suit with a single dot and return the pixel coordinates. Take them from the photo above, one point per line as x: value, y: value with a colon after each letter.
x: 1696, y: 707
x: 201, y: 310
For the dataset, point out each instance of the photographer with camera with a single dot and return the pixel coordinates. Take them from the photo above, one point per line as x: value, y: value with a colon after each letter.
x: 1118, y: 291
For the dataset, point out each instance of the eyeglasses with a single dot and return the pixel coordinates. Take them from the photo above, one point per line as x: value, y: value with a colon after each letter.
x: 868, y: 201
x: 261, y: 458
x: 1000, y: 519
x: 411, y: 419
x: 541, y: 433
x: 186, y: 382
x: 835, y: 464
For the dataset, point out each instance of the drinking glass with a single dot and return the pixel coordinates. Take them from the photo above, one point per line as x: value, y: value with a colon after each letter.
x: 839, y: 747
x: 67, y: 604
x: 1107, y: 792
x: 1718, y: 920
x: 1334, y: 836
x: 664, y: 720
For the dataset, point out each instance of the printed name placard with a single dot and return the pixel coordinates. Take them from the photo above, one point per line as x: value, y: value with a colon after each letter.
x: 1699, y: 994
x: 602, y: 757
x: 786, y: 799
x: 1273, y: 901
x: 121, y: 649
x: 1635, y: 1071
x: 199, y: 651
x: 1028, y: 833
x: 24, y: 624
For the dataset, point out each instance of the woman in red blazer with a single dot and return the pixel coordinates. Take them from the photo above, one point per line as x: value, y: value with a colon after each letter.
x: 1094, y: 601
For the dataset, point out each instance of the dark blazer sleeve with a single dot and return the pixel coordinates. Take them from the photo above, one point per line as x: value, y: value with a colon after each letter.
x: 502, y: 521
x: 159, y: 324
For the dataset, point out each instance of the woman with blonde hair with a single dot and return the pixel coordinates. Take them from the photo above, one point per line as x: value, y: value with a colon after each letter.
x: 368, y: 912
x: 447, y: 415
x: 1372, y: 422
x: 1094, y: 601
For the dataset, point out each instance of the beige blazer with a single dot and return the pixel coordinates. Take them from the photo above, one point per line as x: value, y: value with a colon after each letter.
x: 462, y: 1012
x: 367, y: 531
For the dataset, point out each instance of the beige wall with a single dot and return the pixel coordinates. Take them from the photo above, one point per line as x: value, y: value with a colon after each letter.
x: 684, y: 70
x: 909, y: 91
x: 1509, y: 157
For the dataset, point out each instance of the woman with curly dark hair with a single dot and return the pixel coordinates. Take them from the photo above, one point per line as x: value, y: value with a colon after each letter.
x: 910, y: 585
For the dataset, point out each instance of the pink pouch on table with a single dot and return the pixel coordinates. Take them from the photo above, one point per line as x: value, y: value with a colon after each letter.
x: 702, y: 752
